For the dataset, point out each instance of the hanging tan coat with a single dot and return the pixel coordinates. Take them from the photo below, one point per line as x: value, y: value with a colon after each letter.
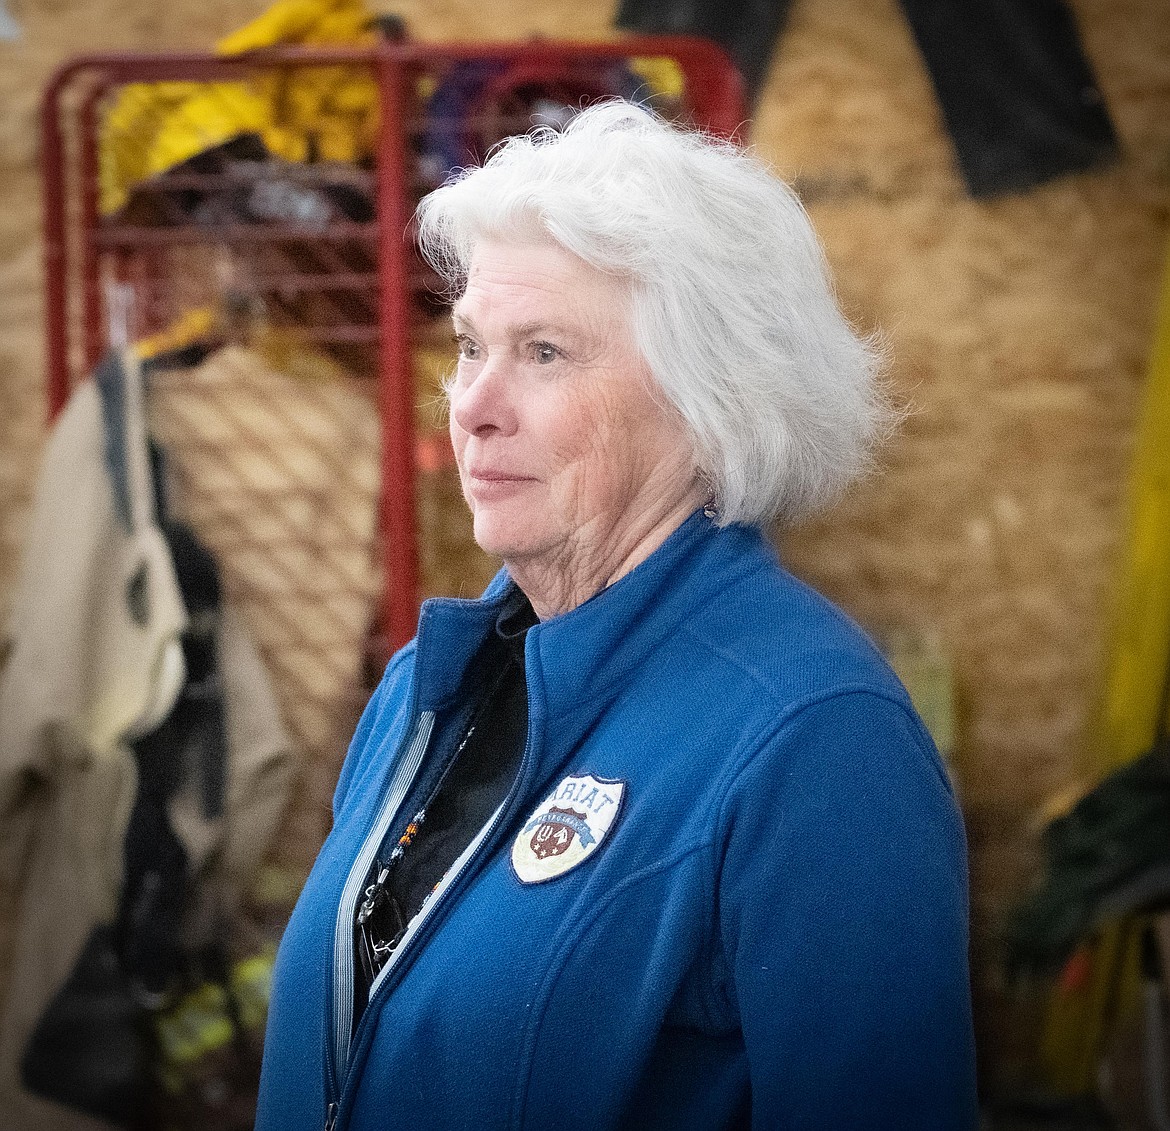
x: 82, y: 674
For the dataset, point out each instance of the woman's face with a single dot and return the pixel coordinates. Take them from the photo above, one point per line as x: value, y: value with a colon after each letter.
x: 565, y: 456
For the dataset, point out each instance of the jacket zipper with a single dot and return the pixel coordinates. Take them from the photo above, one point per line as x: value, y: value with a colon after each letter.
x: 337, y: 1056
x: 454, y: 873
x: 452, y: 877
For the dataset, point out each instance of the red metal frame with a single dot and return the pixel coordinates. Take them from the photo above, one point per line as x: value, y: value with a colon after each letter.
x: 716, y: 100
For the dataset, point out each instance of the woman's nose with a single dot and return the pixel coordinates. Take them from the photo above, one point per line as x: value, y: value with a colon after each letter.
x: 484, y: 404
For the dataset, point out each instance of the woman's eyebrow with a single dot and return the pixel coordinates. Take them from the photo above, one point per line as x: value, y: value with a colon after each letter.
x: 534, y: 328
x: 539, y: 327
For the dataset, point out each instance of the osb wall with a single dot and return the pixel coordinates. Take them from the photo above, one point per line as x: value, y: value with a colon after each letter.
x: 1018, y: 330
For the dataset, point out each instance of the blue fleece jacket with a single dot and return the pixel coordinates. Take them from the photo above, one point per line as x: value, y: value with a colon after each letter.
x: 727, y: 889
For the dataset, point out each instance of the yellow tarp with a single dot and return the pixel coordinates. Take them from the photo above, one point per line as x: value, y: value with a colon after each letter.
x: 330, y: 112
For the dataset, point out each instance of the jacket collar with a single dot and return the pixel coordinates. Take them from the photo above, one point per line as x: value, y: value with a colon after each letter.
x: 574, y: 658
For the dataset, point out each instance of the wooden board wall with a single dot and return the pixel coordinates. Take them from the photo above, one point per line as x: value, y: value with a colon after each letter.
x: 1018, y: 330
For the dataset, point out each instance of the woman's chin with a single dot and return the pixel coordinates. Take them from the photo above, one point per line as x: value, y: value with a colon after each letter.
x: 505, y: 535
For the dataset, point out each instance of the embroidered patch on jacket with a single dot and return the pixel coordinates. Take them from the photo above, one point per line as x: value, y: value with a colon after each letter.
x: 567, y: 828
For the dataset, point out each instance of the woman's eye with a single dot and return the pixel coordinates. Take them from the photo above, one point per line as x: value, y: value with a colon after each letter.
x: 545, y: 354
x: 468, y: 350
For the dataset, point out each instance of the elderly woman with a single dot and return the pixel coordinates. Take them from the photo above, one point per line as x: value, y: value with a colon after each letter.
x: 648, y: 836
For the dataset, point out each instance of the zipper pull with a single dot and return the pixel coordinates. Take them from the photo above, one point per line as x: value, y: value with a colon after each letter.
x: 330, y: 1116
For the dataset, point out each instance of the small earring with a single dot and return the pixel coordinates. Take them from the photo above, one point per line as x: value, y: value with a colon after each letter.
x: 710, y: 507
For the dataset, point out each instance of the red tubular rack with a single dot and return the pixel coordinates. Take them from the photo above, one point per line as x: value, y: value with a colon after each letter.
x: 74, y: 241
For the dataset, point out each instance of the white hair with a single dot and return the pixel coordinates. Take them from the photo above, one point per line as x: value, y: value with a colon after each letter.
x: 730, y: 300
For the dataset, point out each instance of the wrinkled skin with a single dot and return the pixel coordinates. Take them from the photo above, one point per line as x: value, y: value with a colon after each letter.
x: 573, y: 469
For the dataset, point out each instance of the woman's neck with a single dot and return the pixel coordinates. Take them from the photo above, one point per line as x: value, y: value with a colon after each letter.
x: 590, y: 562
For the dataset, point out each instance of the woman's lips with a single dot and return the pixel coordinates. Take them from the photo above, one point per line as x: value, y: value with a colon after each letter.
x: 495, y: 475
x: 495, y: 483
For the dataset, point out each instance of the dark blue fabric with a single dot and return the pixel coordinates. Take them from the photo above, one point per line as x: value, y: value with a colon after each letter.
x: 772, y: 934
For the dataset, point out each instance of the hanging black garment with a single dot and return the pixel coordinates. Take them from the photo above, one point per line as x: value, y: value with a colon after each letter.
x: 1016, y: 90
x: 191, y: 740
x: 1017, y: 93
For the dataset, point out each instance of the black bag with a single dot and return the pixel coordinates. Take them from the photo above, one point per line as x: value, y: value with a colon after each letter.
x: 90, y: 1049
